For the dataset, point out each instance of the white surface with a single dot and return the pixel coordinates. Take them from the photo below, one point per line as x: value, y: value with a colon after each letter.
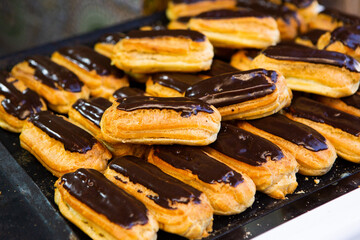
x: 337, y: 219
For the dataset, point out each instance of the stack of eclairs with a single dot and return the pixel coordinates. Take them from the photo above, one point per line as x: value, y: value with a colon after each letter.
x: 215, y: 121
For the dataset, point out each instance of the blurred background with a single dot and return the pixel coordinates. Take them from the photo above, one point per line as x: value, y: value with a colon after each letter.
x: 25, y: 24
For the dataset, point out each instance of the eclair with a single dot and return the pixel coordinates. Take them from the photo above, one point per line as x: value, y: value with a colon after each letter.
x: 310, y: 38
x: 163, y: 51
x: 349, y: 104
x: 181, y: 8
x: 310, y: 70
x: 340, y: 128
x: 178, y: 207
x: 87, y: 115
x: 242, y: 59
x: 229, y: 192
x: 155, y: 120
x: 92, y: 68
x: 244, y: 95
x: 126, y: 92
x: 101, y: 209
x: 329, y: 19
x: 238, y: 28
x: 312, y: 151
x: 60, y: 87
x: 271, y: 168
x: 17, y: 103
x: 61, y: 146
x: 105, y: 45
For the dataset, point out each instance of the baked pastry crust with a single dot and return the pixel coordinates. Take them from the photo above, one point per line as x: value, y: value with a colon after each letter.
x: 106, y: 43
x: 242, y: 59
x: 329, y: 19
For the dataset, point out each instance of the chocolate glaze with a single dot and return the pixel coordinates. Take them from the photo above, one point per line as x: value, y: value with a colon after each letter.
x: 245, y: 147
x: 186, y: 106
x: 54, y: 75
x: 353, y: 101
x: 18, y: 104
x: 185, y: 19
x: 305, y: 54
x: 94, y: 190
x: 347, y: 19
x: 193, y: 159
x: 219, y: 67
x: 233, y: 88
x: 189, y: 1
x: 92, y: 109
x: 227, y: 13
x: 292, y: 131
x: 349, y: 36
x: 178, y: 81
x: 127, y: 92
x: 112, y: 38
x: 75, y: 139
x: 312, y: 35
x: 90, y: 60
x: 318, y: 112
x: 168, y: 189
x: 189, y: 34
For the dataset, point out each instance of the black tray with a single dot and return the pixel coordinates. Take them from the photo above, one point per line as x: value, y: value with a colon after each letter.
x: 28, y: 210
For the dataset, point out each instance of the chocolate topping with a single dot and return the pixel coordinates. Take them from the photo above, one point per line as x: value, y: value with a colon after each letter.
x: 54, y: 75
x: 18, y: 104
x: 185, y: 19
x: 112, y: 38
x: 245, y: 146
x: 168, y: 189
x: 75, y: 139
x: 347, y: 19
x: 206, y: 168
x: 90, y: 60
x: 189, y: 34
x: 92, y: 109
x: 233, y: 88
x: 318, y: 112
x: 94, y: 190
x: 227, y: 13
x: 186, y: 106
x: 305, y: 54
x: 292, y: 131
x: 178, y: 81
x: 313, y: 35
x: 127, y: 92
x: 353, y: 100
x: 219, y: 67
x: 349, y: 36
x: 189, y: 1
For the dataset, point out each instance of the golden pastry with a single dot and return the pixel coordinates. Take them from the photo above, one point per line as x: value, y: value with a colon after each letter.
x: 242, y: 59
x: 105, y: 45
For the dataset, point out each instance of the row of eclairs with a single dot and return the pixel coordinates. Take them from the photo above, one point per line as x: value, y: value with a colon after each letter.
x: 237, y: 97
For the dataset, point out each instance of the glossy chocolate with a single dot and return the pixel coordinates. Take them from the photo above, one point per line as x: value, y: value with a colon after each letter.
x: 54, y: 75
x: 318, y: 112
x: 219, y: 67
x: 227, y: 13
x: 292, y: 131
x: 18, y: 104
x: 169, y: 190
x: 233, y: 88
x: 90, y: 60
x: 299, y: 53
x: 93, y: 189
x: 189, y: 34
x: 74, y: 138
x: 186, y: 106
x: 92, y: 109
x: 127, y: 92
x: 347, y: 19
x: 349, y: 36
x: 193, y: 159
x: 312, y: 35
x: 178, y: 81
x: 245, y: 147
x: 112, y: 38
x: 353, y: 101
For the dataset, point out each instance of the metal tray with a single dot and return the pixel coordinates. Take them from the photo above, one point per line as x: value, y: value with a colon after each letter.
x: 28, y: 210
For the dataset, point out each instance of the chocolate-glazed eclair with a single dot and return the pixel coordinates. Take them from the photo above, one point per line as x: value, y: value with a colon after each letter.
x: 343, y: 39
x: 238, y: 28
x: 310, y: 38
x: 101, y: 209
x: 242, y: 59
x: 271, y: 168
x: 322, y: 72
x: 92, y: 68
x: 311, y: 150
x: 244, y: 95
x: 163, y: 51
x: 156, y: 120
x: 228, y: 191
x: 349, y: 104
x: 126, y: 92
x: 105, y: 45
x: 17, y: 103
x: 87, y: 115
x: 60, y: 87
x: 340, y: 128
x: 61, y: 146
x: 181, y: 8
x: 178, y: 207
